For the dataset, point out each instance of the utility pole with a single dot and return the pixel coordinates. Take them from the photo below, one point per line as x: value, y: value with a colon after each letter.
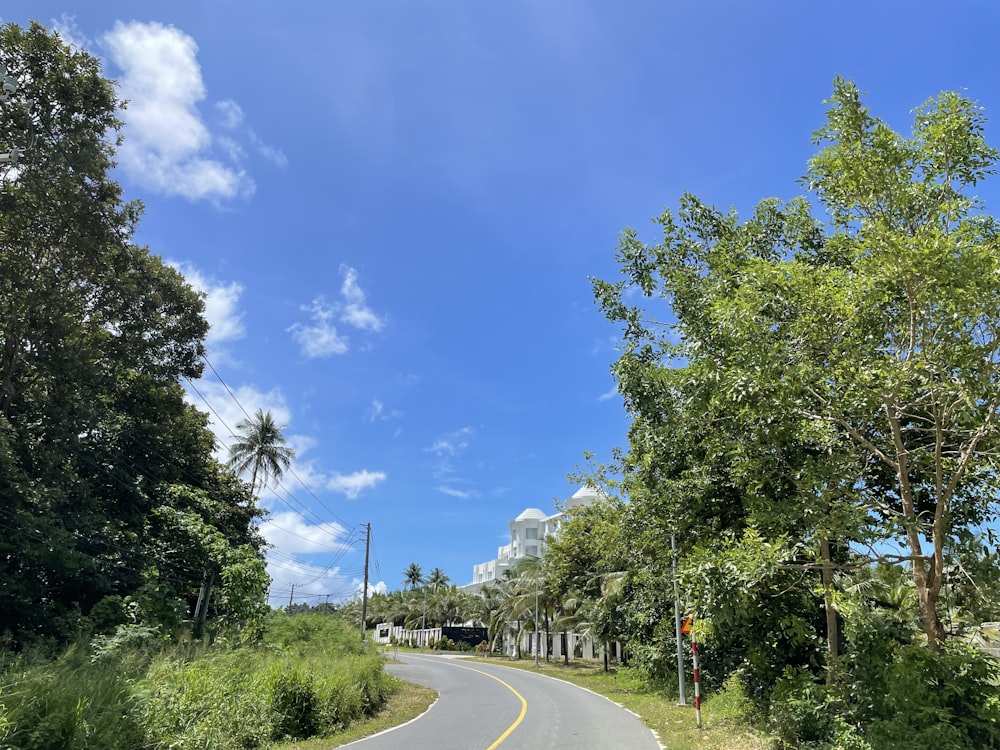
x: 536, y: 617
x: 364, y: 594
x: 291, y: 596
x: 681, y: 698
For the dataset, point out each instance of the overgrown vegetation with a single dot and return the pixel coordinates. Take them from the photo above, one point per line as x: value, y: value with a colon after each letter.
x: 309, y: 677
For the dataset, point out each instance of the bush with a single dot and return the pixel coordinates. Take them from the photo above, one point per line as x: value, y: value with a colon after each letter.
x: 295, y: 707
x: 946, y: 700
x: 311, y: 632
x: 800, y: 709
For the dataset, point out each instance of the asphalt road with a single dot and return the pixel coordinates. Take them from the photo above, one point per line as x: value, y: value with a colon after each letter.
x: 488, y: 707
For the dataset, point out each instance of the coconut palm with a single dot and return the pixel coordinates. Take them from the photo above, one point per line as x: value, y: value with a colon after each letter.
x: 260, y: 448
x: 413, y: 576
x: 437, y: 579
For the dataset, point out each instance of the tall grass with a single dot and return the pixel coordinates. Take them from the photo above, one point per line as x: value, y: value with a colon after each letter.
x: 310, y: 677
x: 69, y: 704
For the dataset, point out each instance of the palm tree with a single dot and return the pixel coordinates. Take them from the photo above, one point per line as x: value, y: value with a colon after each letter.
x: 413, y: 576
x: 437, y: 579
x: 260, y: 448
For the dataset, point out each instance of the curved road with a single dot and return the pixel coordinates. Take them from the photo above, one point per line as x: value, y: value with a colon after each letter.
x: 491, y: 707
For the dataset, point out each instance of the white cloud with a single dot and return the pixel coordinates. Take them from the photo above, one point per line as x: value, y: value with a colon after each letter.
x: 167, y: 146
x: 356, y: 312
x: 221, y: 304
x: 452, y: 444
x: 373, y: 588
x: 353, y: 484
x: 292, y: 534
x: 230, y: 112
x: 463, y: 494
x: 320, y: 339
x: 608, y: 395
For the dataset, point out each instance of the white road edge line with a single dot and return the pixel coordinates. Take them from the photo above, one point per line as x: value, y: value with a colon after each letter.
x: 398, y: 726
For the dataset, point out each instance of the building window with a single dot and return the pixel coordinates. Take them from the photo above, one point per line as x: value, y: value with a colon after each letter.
x: 531, y: 533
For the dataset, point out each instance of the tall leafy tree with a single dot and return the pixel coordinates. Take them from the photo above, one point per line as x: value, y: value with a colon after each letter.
x: 851, y: 367
x: 260, y: 449
x: 96, y: 334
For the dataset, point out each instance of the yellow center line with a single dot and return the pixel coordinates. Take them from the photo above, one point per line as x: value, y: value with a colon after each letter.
x: 520, y: 716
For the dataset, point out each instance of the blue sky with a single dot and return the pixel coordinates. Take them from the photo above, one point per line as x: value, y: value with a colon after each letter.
x: 394, y: 208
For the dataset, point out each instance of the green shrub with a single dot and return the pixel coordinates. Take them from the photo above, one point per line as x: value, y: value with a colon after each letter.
x: 945, y: 700
x: 800, y: 710
x: 295, y: 707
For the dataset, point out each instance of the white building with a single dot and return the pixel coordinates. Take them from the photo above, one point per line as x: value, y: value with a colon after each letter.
x: 528, y: 534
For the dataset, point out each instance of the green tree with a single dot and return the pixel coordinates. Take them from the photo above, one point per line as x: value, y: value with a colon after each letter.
x: 413, y: 576
x: 858, y: 360
x: 437, y: 579
x: 260, y: 449
x: 95, y: 335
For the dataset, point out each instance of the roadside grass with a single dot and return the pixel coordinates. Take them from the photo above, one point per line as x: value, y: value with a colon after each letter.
x: 675, y: 725
x: 407, y: 703
x: 310, y: 677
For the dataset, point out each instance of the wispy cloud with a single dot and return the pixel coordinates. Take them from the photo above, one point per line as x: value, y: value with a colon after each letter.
x: 354, y: 484
x: 320, y: 338
x: 463, y: 494
x: 447, y: 448
x: 356, y: 312
x: 377, y: 412
x: 230, y: 112
x: 232, y: 118
x: 452, y: 444
x: 608, y: 395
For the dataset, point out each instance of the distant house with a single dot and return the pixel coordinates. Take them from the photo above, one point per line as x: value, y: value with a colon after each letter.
x: 528, y: 533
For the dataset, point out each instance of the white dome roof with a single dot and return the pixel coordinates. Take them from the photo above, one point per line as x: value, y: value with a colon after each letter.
x: 531, y: 514
x: 583, y: 496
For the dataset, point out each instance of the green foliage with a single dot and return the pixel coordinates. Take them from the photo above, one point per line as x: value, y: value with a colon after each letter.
x: 260, y: 448
x: 69, y: 704
x: 800, y: 709
x: 294, y: 704
x: 811, y: 396
x: 944, y: 700
x: 136, y: 690
x: 307, y: 633
x: 105, y: 470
